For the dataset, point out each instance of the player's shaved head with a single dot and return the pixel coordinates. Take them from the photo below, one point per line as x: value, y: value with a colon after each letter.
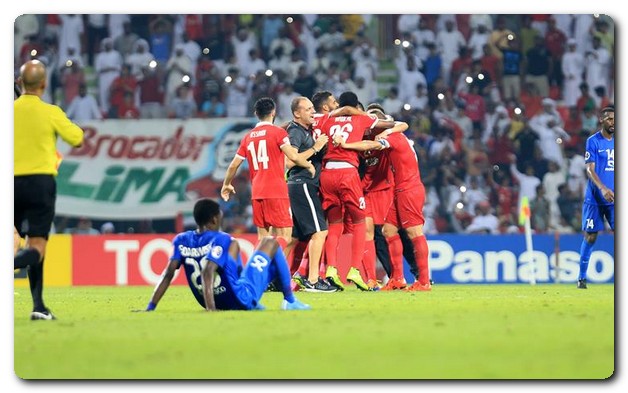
x: 33, y: 75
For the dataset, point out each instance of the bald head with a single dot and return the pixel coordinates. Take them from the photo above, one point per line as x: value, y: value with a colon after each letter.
x: 33, y: 76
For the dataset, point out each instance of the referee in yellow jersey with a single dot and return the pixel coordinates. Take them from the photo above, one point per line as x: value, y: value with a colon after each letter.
x: 35, y: 130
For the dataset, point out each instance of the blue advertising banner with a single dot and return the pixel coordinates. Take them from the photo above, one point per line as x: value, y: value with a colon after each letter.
x: 503, y: 259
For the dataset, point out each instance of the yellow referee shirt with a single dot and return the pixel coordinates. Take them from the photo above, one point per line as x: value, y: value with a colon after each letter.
x: 35, y: 129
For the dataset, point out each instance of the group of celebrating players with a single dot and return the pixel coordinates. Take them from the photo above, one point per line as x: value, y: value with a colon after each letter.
x: 327, y: 192
x: 349, y: 171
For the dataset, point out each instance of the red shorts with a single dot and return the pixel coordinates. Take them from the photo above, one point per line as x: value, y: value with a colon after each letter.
x: 341, y: 187
x: 272, y: 213
x: 377, y: 205
x: 406, y: 211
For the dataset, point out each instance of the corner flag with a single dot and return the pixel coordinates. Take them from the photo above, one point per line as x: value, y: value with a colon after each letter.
x: 524, y: 210
x: 524, y: 219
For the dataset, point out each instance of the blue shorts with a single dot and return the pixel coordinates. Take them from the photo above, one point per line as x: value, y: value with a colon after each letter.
x: 593, y: 217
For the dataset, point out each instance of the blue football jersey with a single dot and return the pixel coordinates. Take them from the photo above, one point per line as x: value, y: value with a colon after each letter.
x: 189, y: 249
x: 229, y: 290
x: 600, y: 151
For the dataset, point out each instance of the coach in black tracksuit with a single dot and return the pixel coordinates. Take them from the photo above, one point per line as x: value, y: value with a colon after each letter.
x: 307, y: 211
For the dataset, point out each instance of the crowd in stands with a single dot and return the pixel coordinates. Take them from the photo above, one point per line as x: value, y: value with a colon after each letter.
x: 499, y: 106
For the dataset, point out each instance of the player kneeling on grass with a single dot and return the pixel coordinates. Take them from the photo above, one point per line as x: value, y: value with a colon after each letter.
x: 214, y: 270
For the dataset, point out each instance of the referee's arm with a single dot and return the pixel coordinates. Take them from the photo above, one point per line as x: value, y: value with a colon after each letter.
x: 69, y: 131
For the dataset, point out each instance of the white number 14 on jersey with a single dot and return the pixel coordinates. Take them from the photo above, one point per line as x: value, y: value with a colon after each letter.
x: 260, y: 156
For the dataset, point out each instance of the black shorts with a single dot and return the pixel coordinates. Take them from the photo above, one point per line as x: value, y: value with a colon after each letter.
x: 34, y: 204
x: 307, y: 211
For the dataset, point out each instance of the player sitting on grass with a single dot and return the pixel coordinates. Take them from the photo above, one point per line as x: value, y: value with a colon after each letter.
x: 214, y: 270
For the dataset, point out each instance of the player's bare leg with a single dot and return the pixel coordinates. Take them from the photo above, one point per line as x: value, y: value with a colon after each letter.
x: 317, y: 242
x: 283, y: 236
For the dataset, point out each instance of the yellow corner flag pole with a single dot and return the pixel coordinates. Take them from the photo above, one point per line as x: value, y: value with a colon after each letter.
x: 524, y: 219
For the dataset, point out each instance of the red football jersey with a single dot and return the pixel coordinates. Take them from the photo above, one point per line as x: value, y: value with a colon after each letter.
x: 261, y: 148
x: 405, y: 164
x: 352, y: 129
x: 319, y: 120
x: 378, y: 175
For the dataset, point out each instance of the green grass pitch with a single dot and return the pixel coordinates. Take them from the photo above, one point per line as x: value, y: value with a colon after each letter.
x: 549, y: 331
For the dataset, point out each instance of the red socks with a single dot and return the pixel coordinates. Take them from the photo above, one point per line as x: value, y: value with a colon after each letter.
x: 282, y: 242
x: 298, y: 253
x: 395, y: 248
x: 331, y: 244
x: 357, y: 244
x: 421, y: 254
x: 369, y: 261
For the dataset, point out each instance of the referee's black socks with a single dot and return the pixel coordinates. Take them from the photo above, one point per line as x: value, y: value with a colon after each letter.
x: 36, y: 281
x: 26, y: 257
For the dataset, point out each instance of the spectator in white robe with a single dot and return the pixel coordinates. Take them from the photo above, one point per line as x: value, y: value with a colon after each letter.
x: 479, y: 38
x: 420, y: 100
x: 407, y: 23
x: 576, y: 172
x: 449, y: 41
x: 554, y: 177
x: 84, y: 107
x: 255, y: 63
x: 548, y: 125
x: 70, y: 34
x: 238, y: 91
x: 527, y: 181
x: 572, y: 64
x: 366, y: 62
x: 108, y: 64
x: 409, y: 78
x: 583, y: 23
x: 597, y: 62
x: 242, y: 43
x: 192, y: 49
x: 139, y: 58
x: 391, y: 103
x: 282, y: 40
x: 421, y: 38
x: 484, y: 222
x: 116, y: 24
x: 309, y: 37
x: 178, y: 66
x: 475, y: 20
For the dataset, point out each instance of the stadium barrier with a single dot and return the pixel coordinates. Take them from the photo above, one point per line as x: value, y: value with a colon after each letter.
x: 139, y: 259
